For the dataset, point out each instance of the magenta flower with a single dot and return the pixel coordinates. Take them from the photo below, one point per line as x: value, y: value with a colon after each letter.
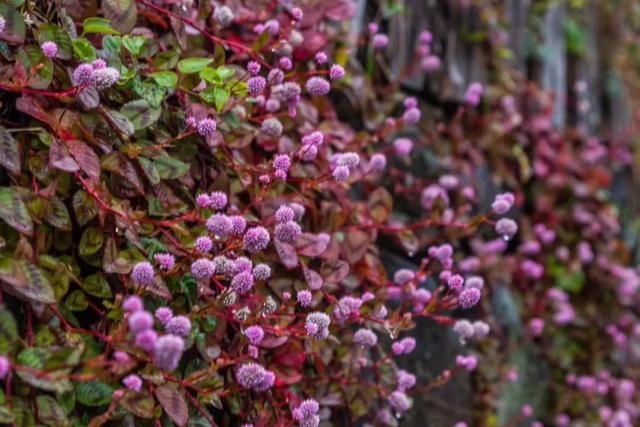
x: 203, y: 244
x: 140, y: 321
x: 256, y: 239
x: 506, y: 228
x: 202, y: 269
x: 402, y: 147
x: 167, y: 352
x: 399, y: 401
x: 132, y: 304
x: 165, y: 261
x: 206, y: 127
x: 163, y: 314
x: 271, y: 127
x: 255, y: 377
x: 261, y: 272
x: 143, y: 274
x: 380, y: 41
x: 256, y: 85
x: 305, y: 298
x: 238, y: 225
x: 365, y: 338
x: 242, y: 282
x: 253, y: 67
x: 469, y: 297
x: 502, y: 203
x: 254, y: 334
x: 147, y: 339
x: 49, y: 49
x: 218, y: 200
x: 336, y: 72
x: 104, y: 78
x: 317, y: 325
x: 132, y: 382
x: 82, y: 75
x: 288, y: 232
x: 411, y: 116
x: 5, y: 365
x: 179, y: 325
x: 219, y: 224
x: 317, y: 86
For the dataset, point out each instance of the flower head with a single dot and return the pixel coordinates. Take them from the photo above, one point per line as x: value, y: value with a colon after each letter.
x: 317, y: 86
x: 402, y: 147
x: 218, y: 200
x: 399, y: 401
x: 469, y: 297
x: 49, y: 48
x: 365, y: 338
x: 380, y: 41
x: 166, y: 261
x: 242, y: 282
x: 143, y: 274
x: 506, y: 227
x: 378, y: 162
x: 167, y: 352
x: 317, y: 325
x: 256, y: 85
x: 147, y: 339
x: 336, y: 72
x: 219, y: 224
x: 5, y: 365
x: 305, y: 298
x: 255, y: 377
x: 104, y: 78
x: 223, y: 16
x: 179, y: 325
x: 140, y: 321
x: 82, y: 75
x: 203, y: 244
x: 261, y: 272
x: 256, y: 239
x: 411, y: 116
x: 238, y: 225
x: 206, y: 127
x: 271, y: 127
x: 254, y: 334
x: 132, y: 304
x: 502, y: 203
x: 202, y: 269
x: 132, y: 382
x: 406, y: 380
x: 163, y: 314
x: 288, y: 232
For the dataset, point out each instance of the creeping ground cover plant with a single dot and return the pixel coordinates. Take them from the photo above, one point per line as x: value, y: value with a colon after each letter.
x: 193, y: 228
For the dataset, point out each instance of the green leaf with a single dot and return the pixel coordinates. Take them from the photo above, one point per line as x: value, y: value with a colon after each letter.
x: 15, y: 29
x: 98, y: 25
x: 49, y: 412
x: 112, y: 44
x: 91, y: 241
x: 170, y: 168
x: 32, y: 59
x: 238, y: 88
x: 49, y: 32
x: 77, y: 301
x: 6, y: 415
x: 26, y: 280
x: 94, y: 393
x: 122, y: 13
x: 193, y: 65
x: 167, y: 79
x: 174, y: 404
x: 9, y: 152
x: 140, y: 113
x: 14, y: 212
x: 139, y: 404
x: 149, y: 91
x: 211, y: 75
x: 97, y: 286
x: 221, y: 96
x: 133, y: 44
x: 84, y: 50
x: 150, y: 170
x: 58, y: 215
x: 84, y: 207
x: 37, y: 358
x: 8, y: 331
x: 226, y: 72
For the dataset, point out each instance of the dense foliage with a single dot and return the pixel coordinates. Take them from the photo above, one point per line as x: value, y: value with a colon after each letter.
x: 194, y: 200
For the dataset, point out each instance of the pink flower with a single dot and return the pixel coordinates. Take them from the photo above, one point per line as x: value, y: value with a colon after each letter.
x: 143, y: 274
x: 5, y: 365
x: 132, y: 382
x: 380, y: 41
x: 365, y: 338
x: 49, y: 49
x: 256, y: 239
x: 132, y: 304
x: 317, y: 86
x: 402, y: 147
x: 254, y: 334
x: 167, y: 352
x: 336, y: 72
x: 255, y: 377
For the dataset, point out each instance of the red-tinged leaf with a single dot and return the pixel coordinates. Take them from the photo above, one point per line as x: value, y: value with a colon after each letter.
x: 286, y: 375
x: 14, y: 31
x: 272, y: 341
x: 118, y: 164
x: 60, y: 157
x: 287, y: 254
x: 9, y: 152
x: 312, y: 244
x: 335, y: 271
x: 174, y: 404
x: 314, y: 280
x: 139, y: 404
x: 409, y: 241
x: 356, y: 244
x: 380, y: 204
x: 85, y: 157
x: 31, y: 107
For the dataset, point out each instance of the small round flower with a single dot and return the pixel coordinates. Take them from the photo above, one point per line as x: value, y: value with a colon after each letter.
x: 163, y: 314
x: 305, y: 298
x: 132, y: 382
x: 411, y: 116
x: 297, y: 13
x: 402, y: 147
x: 3, y: 23
x: 380, y: 41
x: 219, y: 224
x: 121, y: 357
x: 480, y: 329
x: 410, y: 102
x: 406, y: 380
x: 365, y: 338
x: 299, y: 210
x: 275, y: 76
x: 321, y: 58
x: 223, y: 16
x: 464, y: 329
x: 399, y: 401
x: 203, y: 244
x: 285, y: 63
x: 261, y: 272
x: 82, y: 75
x: 256, y: 239
x: 218, y: 200
x: 308, y: 153
x: 140, y: 321
x: 165, y: 261
x: 317, y: 86
x: 272, y: 26
x: 536, y: 326
x: 5, y: 365
x: 349, y: 159
x: 455, y: 283
x: 402, y: 276
x: 203, y: 200
x: 341, y: 173
x: 506, y: 227
x: 179, y: 325
x: 288, y: 232
x: 469, y: 297
x: 104, y: 78
x: 49, y: 49
x: 143, y: 274
x: 255, y: 377
x: 317, y: 325
x: 241, y: 264
x: 242, y: 282
x: 432, y: 193
x: 271, y: 127
x: 254, y: 334
x: 282, y: 162
x: 167, y: 352
x: 431, y: 63
x: 223, y: 266
x: 256, y: 85
x: 206, y: 127
x: 253, y: 67
x: 238, y: 225
x: 132, y: 304
x: 272, y: 105
x: 502, y: 203
x: 378, y: 162
x: 284, y: 214
x: 99, y: 64
x: 146, y: 340
x: 336, y: 72
x: 202, y: 269
x: 313, y: 138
